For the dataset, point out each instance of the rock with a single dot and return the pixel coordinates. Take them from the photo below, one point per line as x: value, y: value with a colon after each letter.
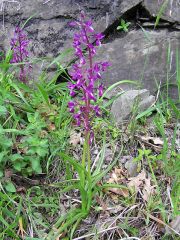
x: 122, y: 107
x: 146, y: 103
x: 124, y: 159
x: 108, y: 156
x: 49, y: 28
x: 171, y: 10
x: 131, y: 167
x: 141, y: 58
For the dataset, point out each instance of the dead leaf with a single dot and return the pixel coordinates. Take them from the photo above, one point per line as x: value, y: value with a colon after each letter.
x: 142, y: 183
x: 153, y: 140
x: 8, y: 173
x: 118, y: 171
x: 148, y: 190
x: 137, y: 181
x: 158, y: 141
x: 114, y: 197
x: 51, y: 127
x: 21, y: 230
x: 21, y: 190
x: 116, y: 178
x: 119, y: 191
x: 75, y: 138
x: 43, y: 134
x: 101, y: 203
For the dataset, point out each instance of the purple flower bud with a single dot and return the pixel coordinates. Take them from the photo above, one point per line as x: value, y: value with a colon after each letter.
x: 100, y: 90
x: 105, y: 65
x: 77, y: 117
x: 82, y: 61
x: 88, y: 26
x: 71, y: 106
x: 97, y: 111
x: 89, y: 92
x: 73, y: 24
x: 98, y: 37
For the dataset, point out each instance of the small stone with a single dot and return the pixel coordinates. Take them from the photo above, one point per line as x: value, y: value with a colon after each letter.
x: 108, y: 155
x: 132, y: 168
x: 124, y: 159
x: 123, y: 106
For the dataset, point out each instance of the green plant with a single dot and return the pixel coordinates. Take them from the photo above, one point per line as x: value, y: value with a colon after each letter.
x: 147, y: 154
x: 84, y: 75
x: 160, y: 13
x: 34, y: 135
x: 124, y: 25
x: 175, y: 195
x: 33, y: 121
x: 10, y: 213
x: 151, y: 160
x: 5, y: 146
x: 88, y: 188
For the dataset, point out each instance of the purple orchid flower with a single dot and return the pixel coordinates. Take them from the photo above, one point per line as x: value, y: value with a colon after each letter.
x: 85, y: 74
x: 19, y: 45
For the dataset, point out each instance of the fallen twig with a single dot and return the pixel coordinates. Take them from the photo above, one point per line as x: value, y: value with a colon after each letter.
x: 161, y: 222
x: 92, y: 234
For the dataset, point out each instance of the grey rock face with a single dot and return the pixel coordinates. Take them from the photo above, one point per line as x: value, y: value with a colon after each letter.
x: 123, y: 106
x: 48, y: 29
x: 141, y: 57
x: 135, y: 55
x: 171, y: 10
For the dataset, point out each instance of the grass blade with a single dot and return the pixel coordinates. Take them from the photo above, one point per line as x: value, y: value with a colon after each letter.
x: 160, y: 13
x: 98, y: 177
x: 21, y: 95
x: 117, y: 84
x: 44, y: 94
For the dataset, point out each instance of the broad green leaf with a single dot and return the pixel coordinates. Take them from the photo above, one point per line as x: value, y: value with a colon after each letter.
x: 3, y: 111
x: 147, y: 112
x: 119, y: 27
x: 17, y: 166
x: 9, y: 186
x: 2, y: 155
x: 101, y: 159
x: 75, y: 164
x: 36, y: 166
x: 15, y: 157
